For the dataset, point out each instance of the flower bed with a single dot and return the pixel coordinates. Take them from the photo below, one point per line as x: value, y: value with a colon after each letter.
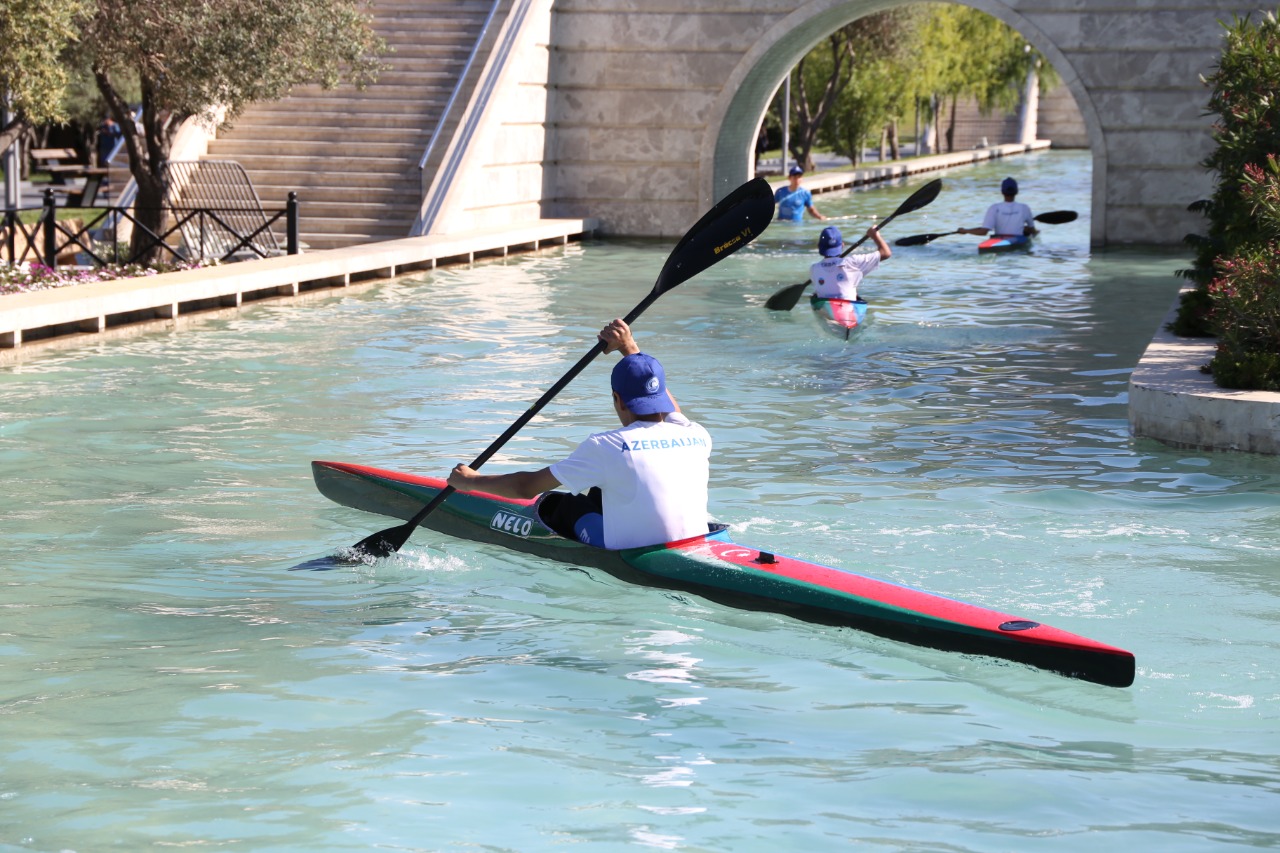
x: 29, y: 277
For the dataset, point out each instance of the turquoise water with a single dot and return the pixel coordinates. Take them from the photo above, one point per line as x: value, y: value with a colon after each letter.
x: 167, y: 679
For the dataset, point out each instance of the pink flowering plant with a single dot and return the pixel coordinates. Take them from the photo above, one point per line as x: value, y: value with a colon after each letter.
x: 28, y: 277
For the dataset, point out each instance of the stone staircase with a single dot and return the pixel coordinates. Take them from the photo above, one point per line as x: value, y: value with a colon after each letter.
x: 352, y: 156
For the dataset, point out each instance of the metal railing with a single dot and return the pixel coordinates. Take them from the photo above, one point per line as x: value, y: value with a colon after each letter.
x: 97, y: 239
x: 438, y: 181
x: 457, y: 87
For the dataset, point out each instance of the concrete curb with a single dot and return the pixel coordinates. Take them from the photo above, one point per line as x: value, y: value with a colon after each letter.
x: 1172, y: 401
x: 70, y: 313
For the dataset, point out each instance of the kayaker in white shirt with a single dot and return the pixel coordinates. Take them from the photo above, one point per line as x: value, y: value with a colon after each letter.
x: 1008, y: 218
x: 836, y: 277
x: 643, y: 484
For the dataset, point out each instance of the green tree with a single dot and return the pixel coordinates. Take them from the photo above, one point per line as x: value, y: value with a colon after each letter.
x: 1237, y: 265
x: 33, y: 35
x: 822, y: 78
x: 1245, y: 97
x: 967, y: 53
x: 210, y: 61
x: 879, y: 88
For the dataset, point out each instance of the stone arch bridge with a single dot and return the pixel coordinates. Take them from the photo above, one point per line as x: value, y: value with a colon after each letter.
x: 641, y: 113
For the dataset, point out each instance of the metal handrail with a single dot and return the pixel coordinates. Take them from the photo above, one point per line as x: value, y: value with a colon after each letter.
x: 443, y: 176
x: 462, y: 78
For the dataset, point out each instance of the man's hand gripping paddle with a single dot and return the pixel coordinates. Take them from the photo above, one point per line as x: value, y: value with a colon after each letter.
x: 733, y: 223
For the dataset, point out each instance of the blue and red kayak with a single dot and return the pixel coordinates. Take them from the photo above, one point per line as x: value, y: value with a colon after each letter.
x: 1004, y: 243
x: 841, y: 317
x: 721, y: 570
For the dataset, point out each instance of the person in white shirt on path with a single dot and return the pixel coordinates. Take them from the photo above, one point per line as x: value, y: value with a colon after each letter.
x: 643, y: 484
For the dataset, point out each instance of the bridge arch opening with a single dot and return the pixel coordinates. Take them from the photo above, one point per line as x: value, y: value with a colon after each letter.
x: 729, y: 154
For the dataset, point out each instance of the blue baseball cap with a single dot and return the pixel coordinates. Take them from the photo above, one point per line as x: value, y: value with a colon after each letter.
x: 796, y: 170
x: 1009, y: 187
x: 830, y: 241
x: 642, y: 384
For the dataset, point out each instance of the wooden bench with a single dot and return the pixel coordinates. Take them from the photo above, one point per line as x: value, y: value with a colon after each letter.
x: 58, y: 162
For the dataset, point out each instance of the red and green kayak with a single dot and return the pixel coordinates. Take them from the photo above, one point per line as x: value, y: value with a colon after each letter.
x: 721, y: 570
x: 1004, y: 243
x: 841, y: 317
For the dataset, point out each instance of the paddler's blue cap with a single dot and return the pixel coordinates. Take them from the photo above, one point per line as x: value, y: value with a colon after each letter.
x: 795, y: 170
x: 642, y: 384
x: 1009, y: 187
x: 830, y: 241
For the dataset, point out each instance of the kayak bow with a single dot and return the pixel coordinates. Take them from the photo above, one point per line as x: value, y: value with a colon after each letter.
x: 719, y: 569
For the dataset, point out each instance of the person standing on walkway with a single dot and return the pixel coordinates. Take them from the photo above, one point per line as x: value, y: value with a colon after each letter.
x: 793, y: 200
x: 109, y: 133
x: 1008, y: 218
x: 836, y: 277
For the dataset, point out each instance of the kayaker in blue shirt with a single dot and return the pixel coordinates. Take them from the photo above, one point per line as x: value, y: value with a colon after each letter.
x: 643, y: 484
x: 1008, y: 218
x: 793, y: 200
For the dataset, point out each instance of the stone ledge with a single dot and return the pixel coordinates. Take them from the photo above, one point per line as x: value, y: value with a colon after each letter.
x: 1172, y: 401
x: 71, y: 312
x: 832, y: 181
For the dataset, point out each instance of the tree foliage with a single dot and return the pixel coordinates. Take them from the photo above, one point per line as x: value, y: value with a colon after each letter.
x: 33, y: 36
x: 1237, y: 266
x: 211, y: 60
x: 874, y: 72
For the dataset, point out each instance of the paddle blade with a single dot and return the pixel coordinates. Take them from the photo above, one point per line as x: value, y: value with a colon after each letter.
x: 732, y: 223
x: 1057, y: 217
x: 384, y: 543
x: 920, y: 239
x: 786, y: 299
x: 921, y: 197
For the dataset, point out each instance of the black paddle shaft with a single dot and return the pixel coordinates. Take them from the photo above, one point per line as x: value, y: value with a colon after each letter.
x: 733, y: 223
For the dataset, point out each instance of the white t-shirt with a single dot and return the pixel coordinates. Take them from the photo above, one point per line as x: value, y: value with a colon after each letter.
x: 654, y: 478
x: 838, y: 278
x: 1008, y: 218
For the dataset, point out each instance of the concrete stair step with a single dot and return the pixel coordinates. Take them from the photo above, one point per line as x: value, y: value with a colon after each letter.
x: 286, y: 163
x: 267, y: 135
x: 414, y: 93
x: 400, y: 23
x: 357, y: 225
x: 347, y: 120
x: 328, y: 211
x: 305, y: 181
x: 429, y: 103
x: 340, y: 194
x: 231, y: 149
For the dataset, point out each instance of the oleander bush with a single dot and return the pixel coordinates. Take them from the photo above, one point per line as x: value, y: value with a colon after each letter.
x: 1237, y: 261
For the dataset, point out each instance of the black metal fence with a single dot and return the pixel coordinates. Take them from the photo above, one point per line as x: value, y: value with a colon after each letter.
x: 192, y: 234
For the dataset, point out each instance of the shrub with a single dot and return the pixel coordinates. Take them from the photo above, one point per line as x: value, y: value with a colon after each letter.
x: 1245, y: 96
x: 1246, y: 311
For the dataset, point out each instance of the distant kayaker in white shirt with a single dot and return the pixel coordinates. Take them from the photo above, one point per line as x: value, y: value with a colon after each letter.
x: 1008, y: 218
x: 836, y: 277
x: 643, y: 484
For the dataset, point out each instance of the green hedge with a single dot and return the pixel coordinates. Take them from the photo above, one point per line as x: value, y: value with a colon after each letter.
x: 1237, y: 261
